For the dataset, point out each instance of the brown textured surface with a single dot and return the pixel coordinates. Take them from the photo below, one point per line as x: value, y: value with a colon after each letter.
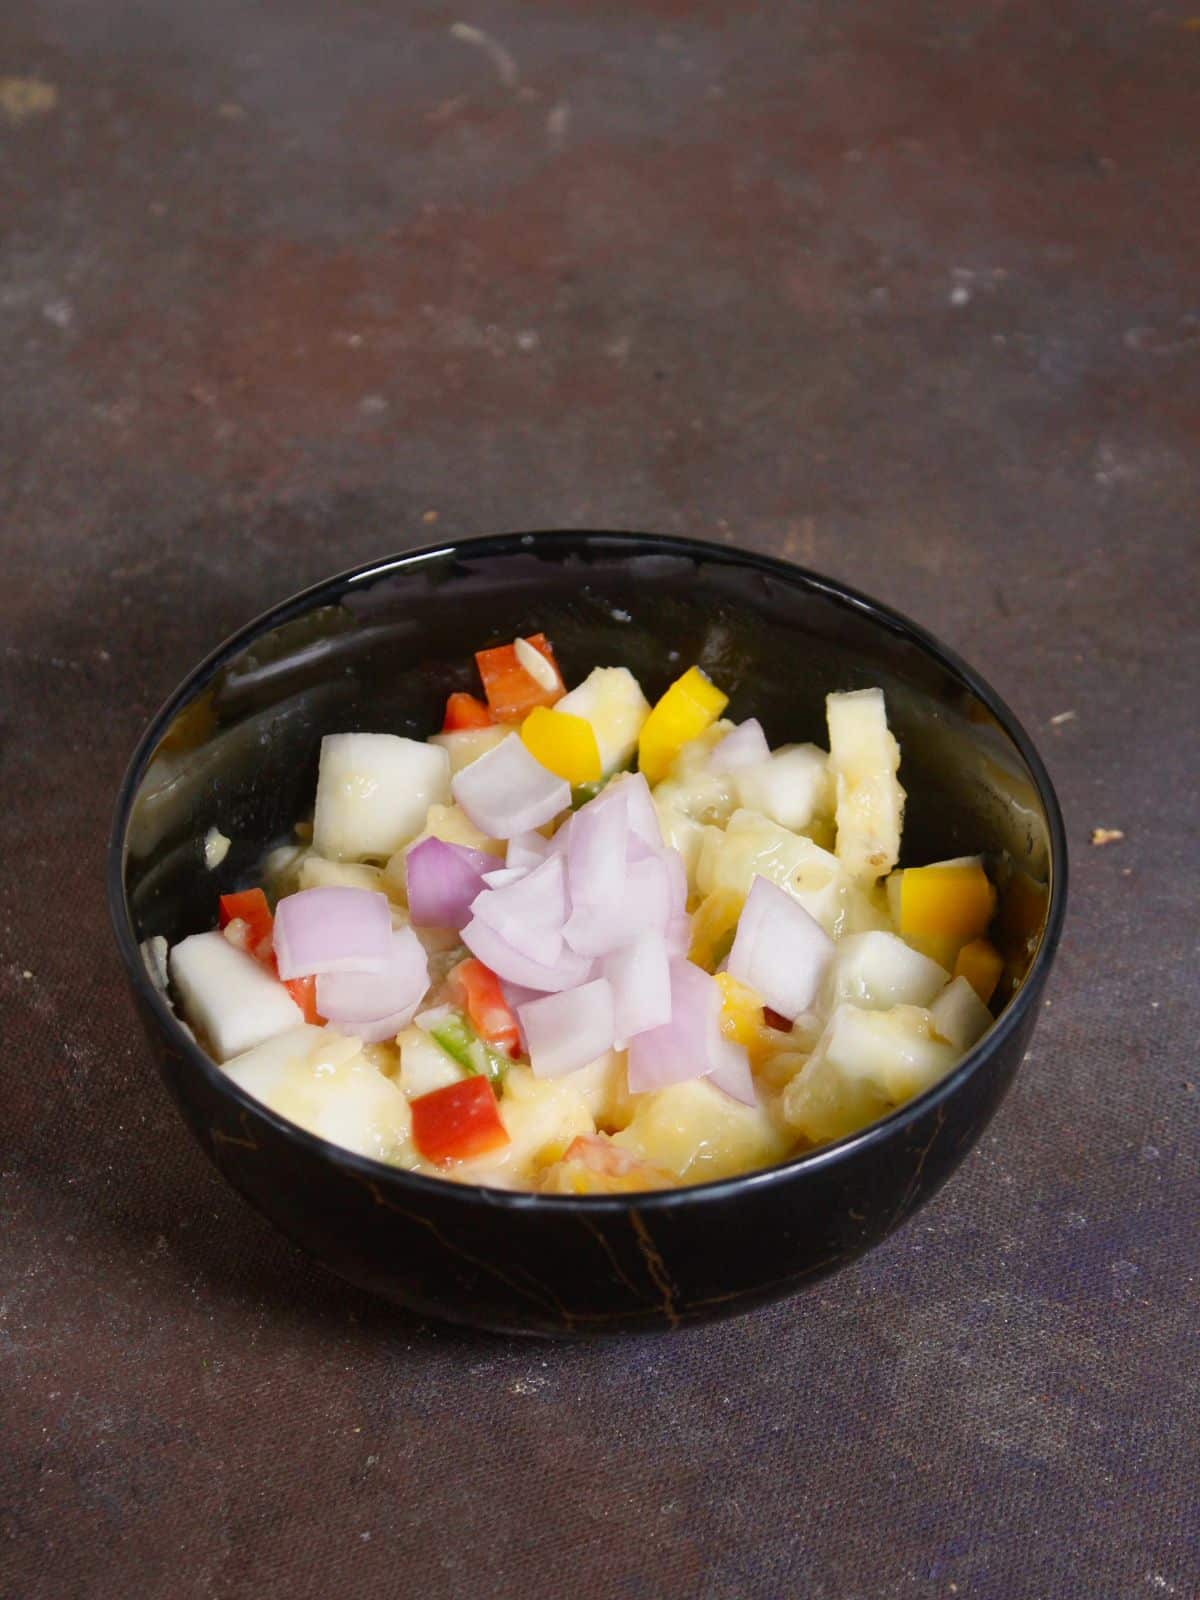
x: 908, y: 293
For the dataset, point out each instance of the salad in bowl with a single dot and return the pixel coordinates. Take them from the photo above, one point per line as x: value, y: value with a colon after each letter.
x: 575, y: 943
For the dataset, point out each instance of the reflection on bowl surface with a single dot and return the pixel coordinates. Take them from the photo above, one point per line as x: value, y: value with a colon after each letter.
x: 378, y: 649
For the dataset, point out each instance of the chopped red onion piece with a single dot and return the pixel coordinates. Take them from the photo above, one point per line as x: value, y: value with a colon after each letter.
x: 639, y: 806
x: 645, y: 907
x: 596, y: 854
x: 349, y: 998
x: 503, y: 876
x: 672, y: 861
x: 677, y: 884
x: 511, y: 964
x: 640, y: 977
x: 529, y: 913
x: 779, y: 951
x: 689, y: 1046
x: 525, y: 850
x: 506, y: 792
x: 746, y: 746
x: 678, y: 936
x: 567, y: 1031
x: 733, y: 1075
x: 381, y: 1028
x: 332, y: 930
x: 443, y: 879
x: 515, y: 996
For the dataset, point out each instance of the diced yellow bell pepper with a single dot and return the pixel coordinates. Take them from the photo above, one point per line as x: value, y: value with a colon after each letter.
x: 937, y: 946
x: 690, y: 705
x: 562, y: 743
x: 950, y: 903
x: 713, y: 924
x: 742, y: 1020
x: 741, y: 1011
x: 981, y: 964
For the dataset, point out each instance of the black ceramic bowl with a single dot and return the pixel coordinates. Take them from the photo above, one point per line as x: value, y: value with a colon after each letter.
x: 378, y: 649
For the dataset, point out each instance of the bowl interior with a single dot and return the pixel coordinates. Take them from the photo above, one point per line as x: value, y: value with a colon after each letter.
x: 379, y: 651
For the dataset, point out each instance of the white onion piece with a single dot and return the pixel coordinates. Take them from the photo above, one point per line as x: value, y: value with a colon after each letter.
x: 525, y: 850
x: 351, y: 998
x: 332, y: 930
x: 567, y: 1031
x: 779, y: 951
x: 510, y: 964
x: 689, y: 1046
x: 644, y: 908
x: 507, y: 792
x: 640, y: 976
x: 529, y: 913
x: 746, y: 746
x: 733, y: 1075
x: 443, y: 879
x: 596, y: 854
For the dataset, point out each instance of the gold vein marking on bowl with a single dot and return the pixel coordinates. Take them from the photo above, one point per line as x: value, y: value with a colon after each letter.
x: 246, y: 1142
x: 656, y: 1267
x: 598, y: 1235
x: 539, y: 1294
x: 939, y: 1122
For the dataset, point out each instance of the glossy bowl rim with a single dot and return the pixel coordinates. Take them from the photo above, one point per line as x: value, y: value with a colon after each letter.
x: 365, y: 1168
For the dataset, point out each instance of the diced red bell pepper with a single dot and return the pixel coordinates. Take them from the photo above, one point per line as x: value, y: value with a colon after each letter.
x: 511, y: 691
x: 487, y: 1008
x: 250, y: 906
x: 304, y: 992
x: 465, y: 711
x: 457, y: 1122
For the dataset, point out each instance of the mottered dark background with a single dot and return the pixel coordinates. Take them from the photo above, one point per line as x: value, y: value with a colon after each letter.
x: 909, y: 293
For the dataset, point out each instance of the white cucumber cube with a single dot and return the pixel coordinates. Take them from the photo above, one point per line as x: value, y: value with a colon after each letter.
x: 322, y: 1081
x: 865, y: 1064
x: 611, y: 700
x: 373, y: 792
x: 227, y: 996
x: 959, y: 1015
x: 792, y: 786
x: 878, y: 970
x: 864, y: 759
